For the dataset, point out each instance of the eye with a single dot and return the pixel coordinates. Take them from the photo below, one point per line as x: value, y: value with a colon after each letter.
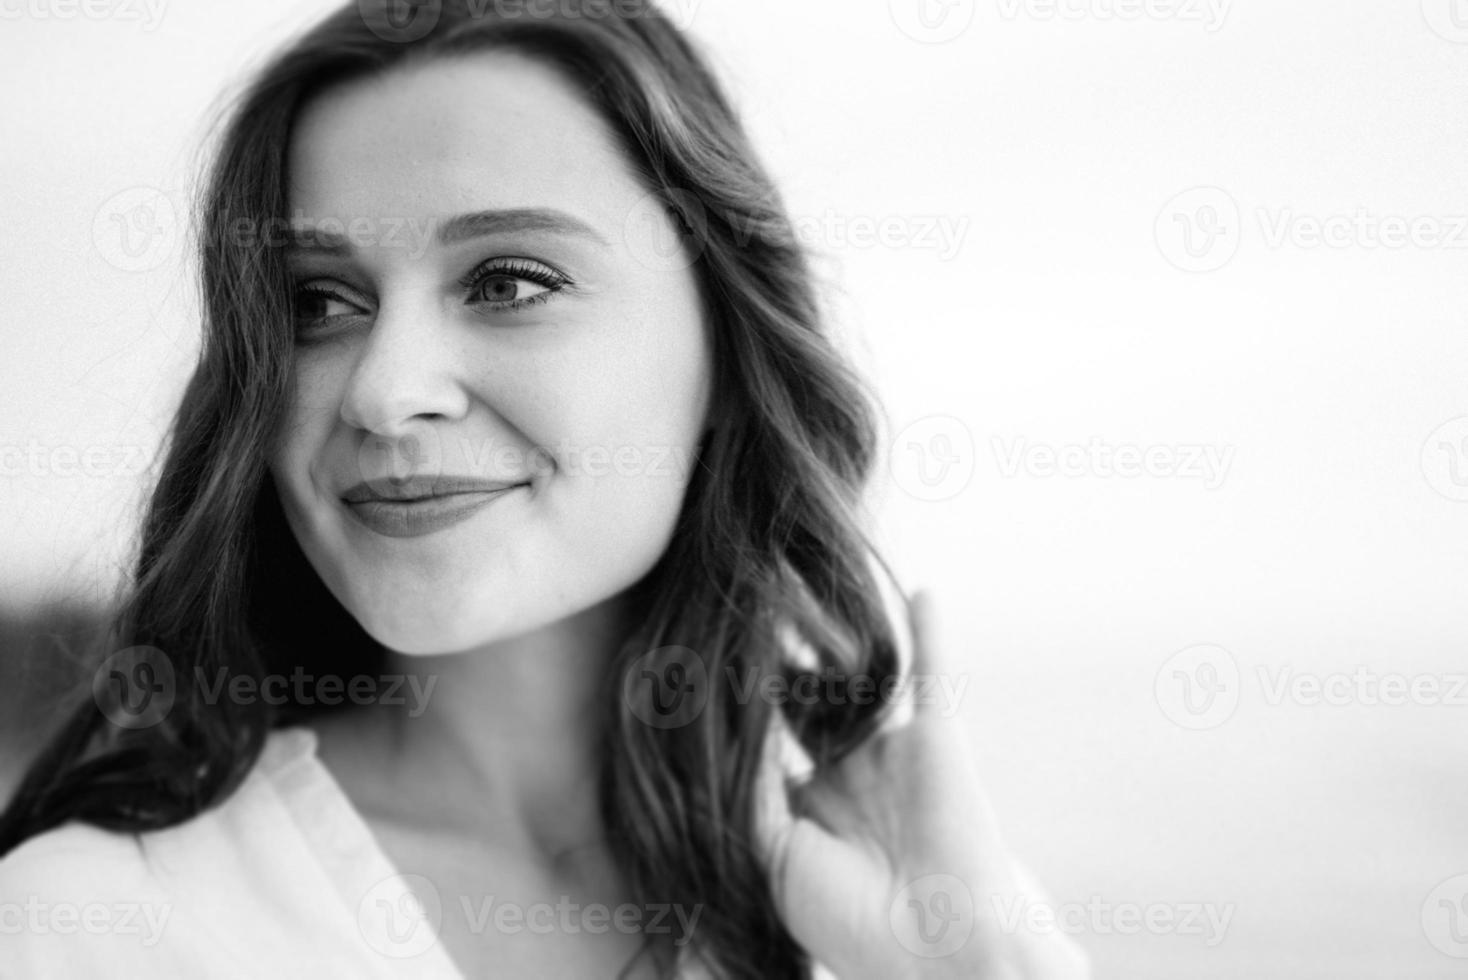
x: 315, y: 303
x: 512, y: 283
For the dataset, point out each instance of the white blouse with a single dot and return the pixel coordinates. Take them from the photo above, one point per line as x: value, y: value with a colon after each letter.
x: 284, y: 879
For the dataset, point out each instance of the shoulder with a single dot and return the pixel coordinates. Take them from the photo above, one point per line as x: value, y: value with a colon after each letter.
x: 79, y: 900
x: 75, y: 899
x: 79, y: 853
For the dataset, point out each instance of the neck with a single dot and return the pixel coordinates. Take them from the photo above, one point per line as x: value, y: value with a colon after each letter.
x: 507, y: 746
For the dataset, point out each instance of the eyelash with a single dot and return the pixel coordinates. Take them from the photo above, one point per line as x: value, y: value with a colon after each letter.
x: 542, y: 275
x: 518, y: 268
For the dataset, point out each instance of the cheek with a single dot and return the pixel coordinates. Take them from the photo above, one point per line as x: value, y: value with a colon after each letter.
x: 637, y: 389
x: 652, y: 372
x: 630, y: 421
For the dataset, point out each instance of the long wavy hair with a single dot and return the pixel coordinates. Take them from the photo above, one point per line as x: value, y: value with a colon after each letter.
x: 770, y: 537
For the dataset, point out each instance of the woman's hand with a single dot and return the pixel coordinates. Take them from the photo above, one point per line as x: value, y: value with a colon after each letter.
x: 890, y: 865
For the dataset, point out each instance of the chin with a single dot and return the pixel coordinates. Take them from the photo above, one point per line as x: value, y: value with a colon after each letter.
x: 413, y: 638
x: 442, y: 627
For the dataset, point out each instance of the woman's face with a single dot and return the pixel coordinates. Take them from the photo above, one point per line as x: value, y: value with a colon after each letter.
x: 488, y: 294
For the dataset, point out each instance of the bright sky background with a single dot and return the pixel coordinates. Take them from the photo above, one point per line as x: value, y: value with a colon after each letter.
x: 1038, y: 179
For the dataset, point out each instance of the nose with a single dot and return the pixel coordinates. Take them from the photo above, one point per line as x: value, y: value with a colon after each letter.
x: 405, y: 373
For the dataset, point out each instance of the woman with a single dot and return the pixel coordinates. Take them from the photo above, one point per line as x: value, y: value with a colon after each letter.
x: 514, y: 417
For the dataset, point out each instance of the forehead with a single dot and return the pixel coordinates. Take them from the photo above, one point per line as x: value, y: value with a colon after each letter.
x: 489, y: 130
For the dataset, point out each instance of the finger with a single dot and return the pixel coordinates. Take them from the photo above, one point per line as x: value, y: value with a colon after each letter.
x: 921, y: 623
x: 934, y: 683
x: 774, y: 820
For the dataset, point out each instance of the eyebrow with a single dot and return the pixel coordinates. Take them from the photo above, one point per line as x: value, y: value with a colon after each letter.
x: 480, y: 223
x: 460, y: 228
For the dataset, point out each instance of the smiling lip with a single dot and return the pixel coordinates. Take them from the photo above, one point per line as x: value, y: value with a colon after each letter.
x: 418, y: 507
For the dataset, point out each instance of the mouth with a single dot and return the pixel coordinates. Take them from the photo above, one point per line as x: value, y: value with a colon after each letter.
x: 406, y: 511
